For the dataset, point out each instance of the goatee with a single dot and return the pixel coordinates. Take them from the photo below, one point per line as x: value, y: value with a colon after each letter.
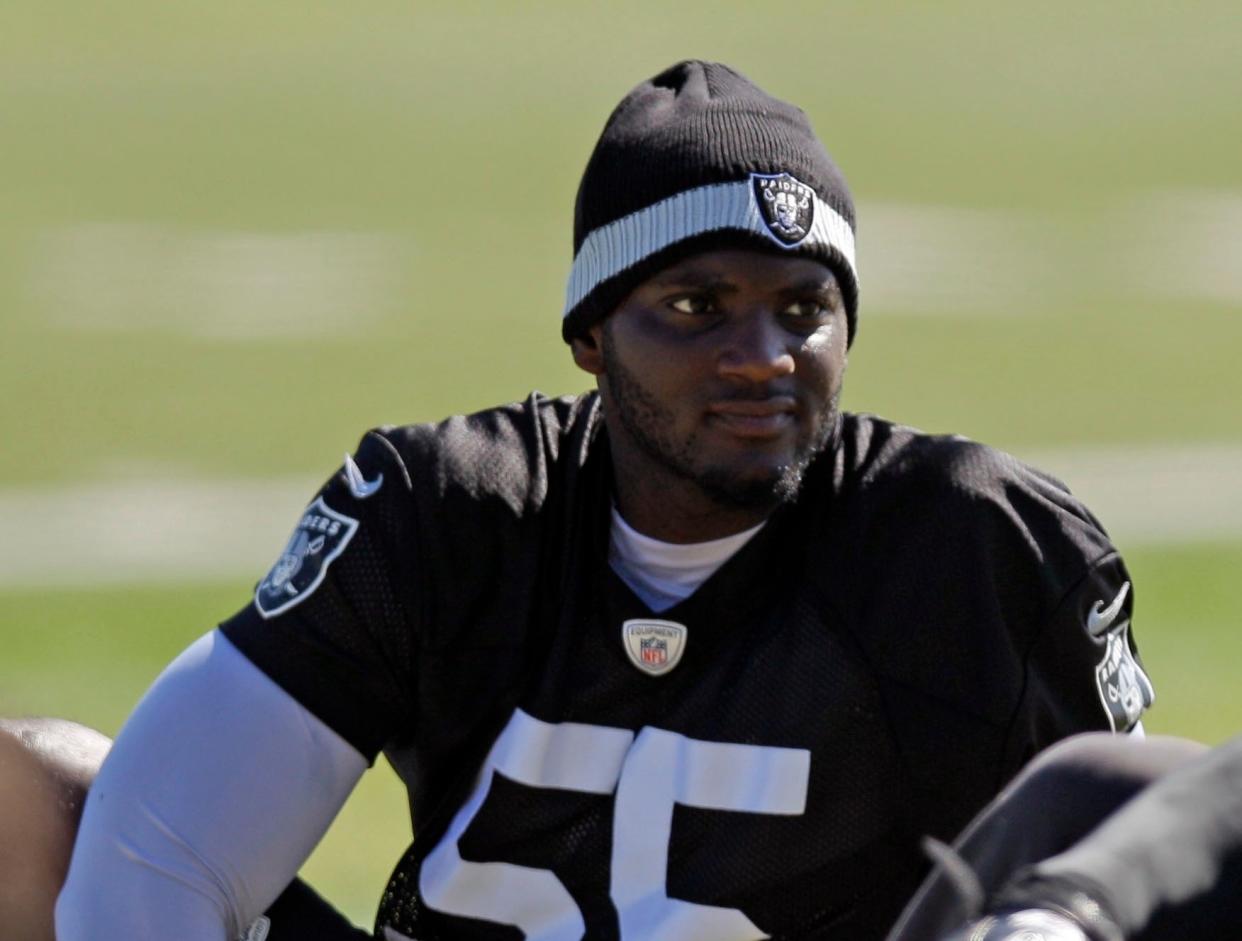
x: 643, y: 418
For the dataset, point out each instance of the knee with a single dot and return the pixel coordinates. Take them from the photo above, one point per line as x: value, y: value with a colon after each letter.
x: 45, y: 769
x: 1098, y: 771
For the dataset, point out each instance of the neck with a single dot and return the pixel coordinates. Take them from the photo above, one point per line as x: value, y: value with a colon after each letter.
x: 668, y: 507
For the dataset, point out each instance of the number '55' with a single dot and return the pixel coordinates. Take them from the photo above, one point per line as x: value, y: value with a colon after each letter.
x: 649, y: 773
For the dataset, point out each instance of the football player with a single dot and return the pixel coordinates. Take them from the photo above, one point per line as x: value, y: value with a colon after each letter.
x: 693, y: 655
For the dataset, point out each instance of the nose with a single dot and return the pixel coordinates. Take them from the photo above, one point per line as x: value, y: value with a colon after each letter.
x: 757, y: 349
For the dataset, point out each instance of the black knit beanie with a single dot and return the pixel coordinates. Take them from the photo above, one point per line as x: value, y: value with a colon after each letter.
x: 698, y: 158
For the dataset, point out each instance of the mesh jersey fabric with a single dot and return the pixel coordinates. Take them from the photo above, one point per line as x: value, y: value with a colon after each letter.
x: 915, y: 624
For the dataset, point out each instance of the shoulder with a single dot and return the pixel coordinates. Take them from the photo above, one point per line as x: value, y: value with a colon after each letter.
x: 510, y: 452
x: 961, y: 532
x: 978, y: 552
x: 882, y: 451
x: 959, y: 486
x: 438, y: 499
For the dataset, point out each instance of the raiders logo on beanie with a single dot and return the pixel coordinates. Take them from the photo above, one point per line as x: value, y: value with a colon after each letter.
x: 697, y: 158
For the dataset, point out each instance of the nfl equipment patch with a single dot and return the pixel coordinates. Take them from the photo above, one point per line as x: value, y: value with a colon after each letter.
x: 786, y: 205
x: 654, y: 646
x: 320, y: 536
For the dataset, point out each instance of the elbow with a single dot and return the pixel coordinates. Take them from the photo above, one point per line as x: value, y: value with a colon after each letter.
x: 104, y: 900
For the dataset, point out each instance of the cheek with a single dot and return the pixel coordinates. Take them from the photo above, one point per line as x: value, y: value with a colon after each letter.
x: 674, y: 372
x: 823, y: 360
x: 829, y: 341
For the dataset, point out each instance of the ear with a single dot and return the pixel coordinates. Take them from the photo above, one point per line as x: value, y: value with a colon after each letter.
x: 588, y: 350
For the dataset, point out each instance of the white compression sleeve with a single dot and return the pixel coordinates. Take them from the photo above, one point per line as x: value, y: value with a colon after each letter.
x: 216, y: 790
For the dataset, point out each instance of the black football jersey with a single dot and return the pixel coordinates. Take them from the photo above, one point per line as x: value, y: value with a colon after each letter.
x: 759, y: 760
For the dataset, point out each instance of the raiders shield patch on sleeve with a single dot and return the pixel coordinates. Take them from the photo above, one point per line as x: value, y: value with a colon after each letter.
x: 320, y: 536
x: 1125, y: 691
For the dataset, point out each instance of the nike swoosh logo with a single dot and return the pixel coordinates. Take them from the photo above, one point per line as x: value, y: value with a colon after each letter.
x: 359, y: 486
x: 1100, y: 619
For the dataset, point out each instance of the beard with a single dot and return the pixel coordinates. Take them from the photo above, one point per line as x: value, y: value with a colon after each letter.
x: 647, y: 422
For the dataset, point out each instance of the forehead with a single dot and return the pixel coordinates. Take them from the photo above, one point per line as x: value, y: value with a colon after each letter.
x: 743, y: 267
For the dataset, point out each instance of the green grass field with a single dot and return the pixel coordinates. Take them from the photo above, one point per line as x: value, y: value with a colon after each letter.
x: 232, y: 238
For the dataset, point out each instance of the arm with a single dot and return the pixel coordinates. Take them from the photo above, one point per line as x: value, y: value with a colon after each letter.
x: 237, y: 760
x: 1083, y: 671
x: 216, y: 790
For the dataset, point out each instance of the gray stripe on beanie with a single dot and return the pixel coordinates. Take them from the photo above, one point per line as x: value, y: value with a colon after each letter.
x: 611, y: 249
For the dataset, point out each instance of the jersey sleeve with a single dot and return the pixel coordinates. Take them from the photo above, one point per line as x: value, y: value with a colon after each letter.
x: 334, y: 621
x: 993, y: 600
x: 1068, y: 599
x: 1083, y: 669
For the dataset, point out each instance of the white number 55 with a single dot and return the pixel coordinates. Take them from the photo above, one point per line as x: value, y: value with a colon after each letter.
x: 649, y: 774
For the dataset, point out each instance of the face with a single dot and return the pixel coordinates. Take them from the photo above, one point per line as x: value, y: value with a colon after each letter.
x: 721, y: 375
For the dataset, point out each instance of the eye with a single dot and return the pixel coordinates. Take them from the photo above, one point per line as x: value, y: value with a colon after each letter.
x: 692, y: 304
x: 806, y: 310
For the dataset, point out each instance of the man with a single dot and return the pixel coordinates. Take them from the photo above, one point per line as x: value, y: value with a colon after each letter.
x: 693, y: 656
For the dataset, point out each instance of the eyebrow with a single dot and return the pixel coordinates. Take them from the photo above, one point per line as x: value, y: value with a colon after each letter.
x: 715, y: 282
x: 828, y: 285
x: 694, y: 278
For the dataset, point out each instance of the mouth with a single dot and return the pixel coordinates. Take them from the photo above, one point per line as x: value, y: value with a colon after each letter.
x: 755, y: 419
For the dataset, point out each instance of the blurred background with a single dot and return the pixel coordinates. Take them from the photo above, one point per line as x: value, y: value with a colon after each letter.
x: 234, y: 236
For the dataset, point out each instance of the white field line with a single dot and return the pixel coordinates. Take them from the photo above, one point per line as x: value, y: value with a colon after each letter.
x: 914, y: 259
x: 110, y: 277
x: 197, y: 530
x: 145, y: 531
x: 952, y: 261
x: 1155, y: 496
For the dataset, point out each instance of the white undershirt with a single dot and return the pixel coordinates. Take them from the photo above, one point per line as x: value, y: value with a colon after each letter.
x: 664, y: 573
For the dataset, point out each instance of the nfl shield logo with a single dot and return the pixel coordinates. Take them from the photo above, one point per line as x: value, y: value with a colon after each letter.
x: 786, y: 205
x: 653, y: 651
x: 654, y: 646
